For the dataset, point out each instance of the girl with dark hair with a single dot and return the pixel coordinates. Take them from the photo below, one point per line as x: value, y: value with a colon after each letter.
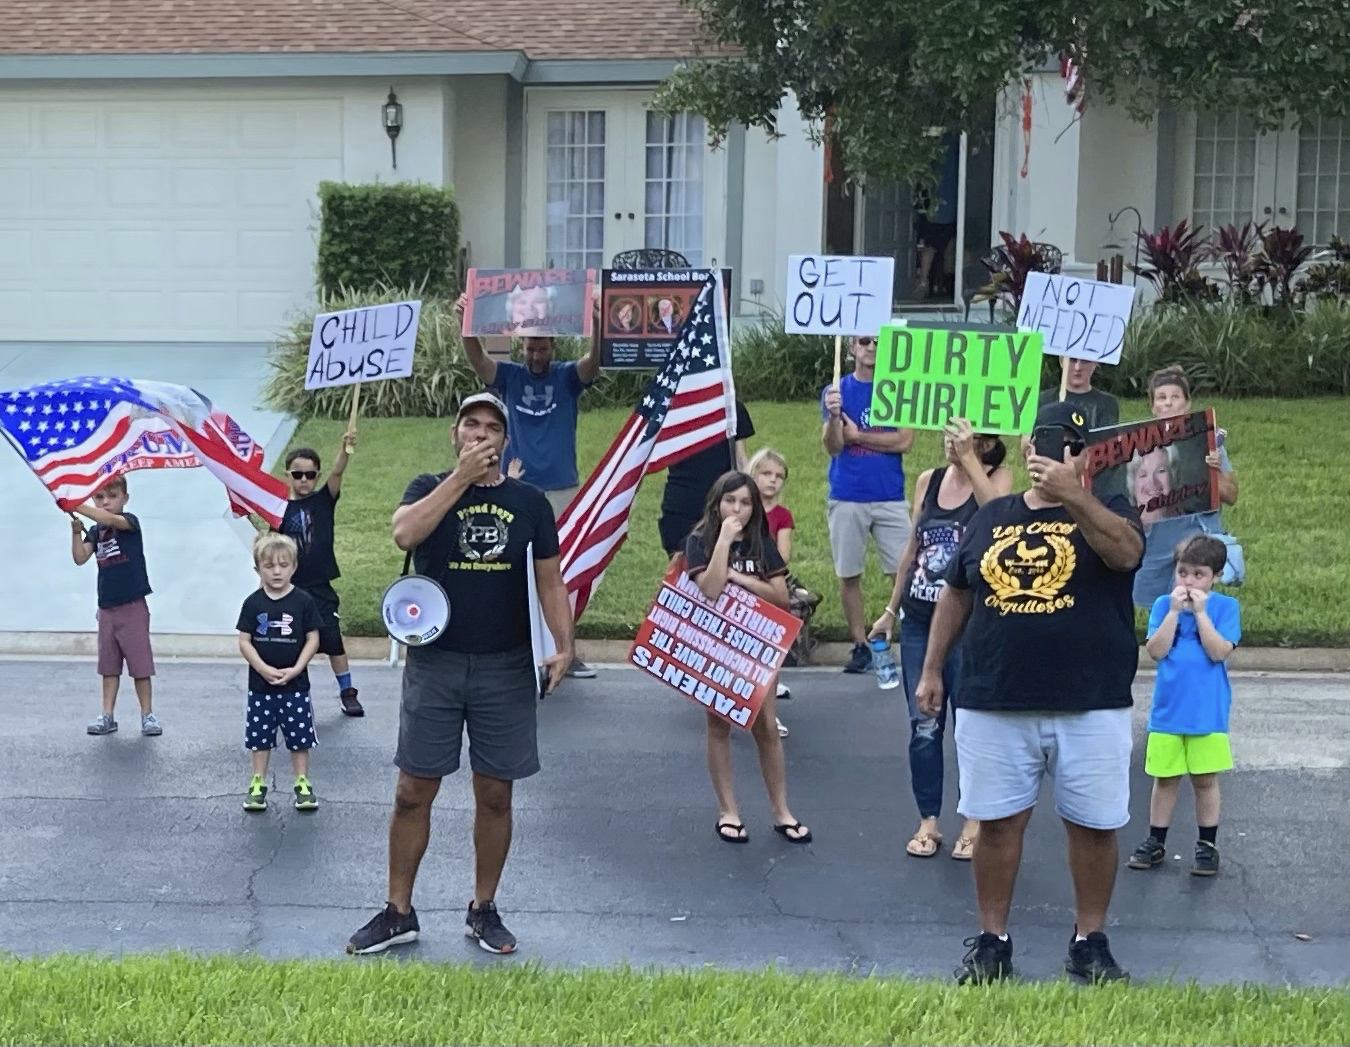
x: 731, y: 544
x: 945, y: 499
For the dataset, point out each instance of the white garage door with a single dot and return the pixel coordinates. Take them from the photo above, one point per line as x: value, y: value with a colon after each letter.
x: 144, y: 216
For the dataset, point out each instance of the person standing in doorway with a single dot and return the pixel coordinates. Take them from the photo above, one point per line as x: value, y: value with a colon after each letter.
x: 866, y: 493
x: 541, y: 397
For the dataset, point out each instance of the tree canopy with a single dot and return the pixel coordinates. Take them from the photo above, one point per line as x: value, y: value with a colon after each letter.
x: 886, y: 71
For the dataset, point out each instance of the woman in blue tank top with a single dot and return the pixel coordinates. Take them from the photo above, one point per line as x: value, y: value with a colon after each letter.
x: 944, y: 501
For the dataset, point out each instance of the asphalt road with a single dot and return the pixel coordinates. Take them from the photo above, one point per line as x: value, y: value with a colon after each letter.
x: 123, y: 843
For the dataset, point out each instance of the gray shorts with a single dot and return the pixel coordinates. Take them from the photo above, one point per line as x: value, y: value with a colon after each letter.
x: 851, y: 522
x: 495, y: 695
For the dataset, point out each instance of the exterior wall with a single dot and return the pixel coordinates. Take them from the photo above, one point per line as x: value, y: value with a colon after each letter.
x: 479, y: 166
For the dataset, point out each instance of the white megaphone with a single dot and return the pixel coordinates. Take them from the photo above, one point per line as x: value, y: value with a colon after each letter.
x: 416, y: 610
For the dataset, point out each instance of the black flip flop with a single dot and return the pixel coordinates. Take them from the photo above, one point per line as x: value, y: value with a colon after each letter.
x: 795, y: 827
x: 736, y: 827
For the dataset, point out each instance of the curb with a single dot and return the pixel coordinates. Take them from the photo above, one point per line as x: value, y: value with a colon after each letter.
x: 598, y: 652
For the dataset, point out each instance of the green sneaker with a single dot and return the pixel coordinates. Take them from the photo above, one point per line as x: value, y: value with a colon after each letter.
x: 305, y: 800
x: 256, y: 799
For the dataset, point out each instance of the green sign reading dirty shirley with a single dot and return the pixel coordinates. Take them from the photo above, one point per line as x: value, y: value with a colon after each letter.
x: 925, y: 377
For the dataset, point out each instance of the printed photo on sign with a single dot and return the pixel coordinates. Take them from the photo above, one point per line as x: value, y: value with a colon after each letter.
x: 723, y: 654
x: 1159, y: 464
x: 642, y: 311
x: 838, y: 294
x: 926, y: 376
x: 362, y: 345
x: 529, y: 303
x: 1082, y: 319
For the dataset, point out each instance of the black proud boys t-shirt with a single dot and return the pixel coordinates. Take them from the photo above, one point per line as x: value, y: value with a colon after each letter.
x: 1051, y: 627
x: 122, y: 577
x: 309, y: 521
x: 477, y: 553
x: 278, y: 629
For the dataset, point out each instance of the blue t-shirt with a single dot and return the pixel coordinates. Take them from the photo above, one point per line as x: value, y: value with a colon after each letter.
x: 1191, y: 694
x: 857, y: 473
x: 541, y: 427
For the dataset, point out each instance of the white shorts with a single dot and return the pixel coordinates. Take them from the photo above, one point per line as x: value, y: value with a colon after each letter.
x: 851, y: 522
x: 1003, y: 757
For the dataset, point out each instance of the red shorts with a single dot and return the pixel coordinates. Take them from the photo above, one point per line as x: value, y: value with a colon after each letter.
x: 124, y: 635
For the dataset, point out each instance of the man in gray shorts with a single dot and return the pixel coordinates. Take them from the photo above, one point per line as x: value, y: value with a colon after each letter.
x: 471, y: 530
x: 1042, y: 585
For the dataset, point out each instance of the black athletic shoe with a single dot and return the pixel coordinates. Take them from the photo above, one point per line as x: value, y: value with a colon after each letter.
x: 989, y: 960
x: 351, y: 705
x: 486, y: 926
x: 1091, y: 960
x: 1148, y: 854
x: 1206, y: 859
x: 389, y: 927
x: 859, y: 659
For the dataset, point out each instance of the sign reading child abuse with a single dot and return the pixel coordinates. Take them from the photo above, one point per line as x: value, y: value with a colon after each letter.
x: 1082, y: 319
x: 926, y: 376
x: 362, y: 345
x: 838, y: 294
x: 723, y: 653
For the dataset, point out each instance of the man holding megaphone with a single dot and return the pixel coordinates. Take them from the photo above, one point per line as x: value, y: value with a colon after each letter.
x: 471, y: 530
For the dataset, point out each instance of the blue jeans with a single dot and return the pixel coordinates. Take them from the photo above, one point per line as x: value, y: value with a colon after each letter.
x: 926, y: 732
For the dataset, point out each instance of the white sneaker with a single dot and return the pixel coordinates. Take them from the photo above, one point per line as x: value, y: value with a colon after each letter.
x: 783, y: 693
x: 782, y: 728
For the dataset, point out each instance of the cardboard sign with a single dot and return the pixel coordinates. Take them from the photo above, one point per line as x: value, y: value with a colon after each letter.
x: 926, y: 376
x: 1159, y: 464
x: 642, y: 310
x: 362, y: 345
x: 529, y: 303
x: 1082, y: 319
x: 723, y: 654
x: 838, y: 294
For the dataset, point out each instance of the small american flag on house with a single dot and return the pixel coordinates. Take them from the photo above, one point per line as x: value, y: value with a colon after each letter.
x: 79, y: 433
x: 690, y: 405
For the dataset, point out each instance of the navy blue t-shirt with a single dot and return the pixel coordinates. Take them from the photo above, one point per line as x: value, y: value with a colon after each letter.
x: 278, y: 628
x: 122, y: 577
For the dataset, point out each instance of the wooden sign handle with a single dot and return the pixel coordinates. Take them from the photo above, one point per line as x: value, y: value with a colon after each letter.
x: 356, y: 409
x: 838, y: 358
x: 1063, y: 377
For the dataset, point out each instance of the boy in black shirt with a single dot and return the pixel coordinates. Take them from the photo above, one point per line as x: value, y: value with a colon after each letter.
x: 123, y: 616
x: 278, y: 635
x: 309, y: 521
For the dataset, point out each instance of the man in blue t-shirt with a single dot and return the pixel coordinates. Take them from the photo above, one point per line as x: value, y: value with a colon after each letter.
x: 541, y: 403
x: 867, y: 490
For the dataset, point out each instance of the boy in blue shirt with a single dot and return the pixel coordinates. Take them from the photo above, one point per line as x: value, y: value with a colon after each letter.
x: 1191, y: 633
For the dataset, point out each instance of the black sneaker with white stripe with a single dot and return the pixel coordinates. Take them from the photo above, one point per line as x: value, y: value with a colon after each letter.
x: 483, y: 924
x: 389, y: 927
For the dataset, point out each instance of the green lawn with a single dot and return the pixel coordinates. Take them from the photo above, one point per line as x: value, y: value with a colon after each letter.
x: 1292, y: 516
x: 185, y: 1000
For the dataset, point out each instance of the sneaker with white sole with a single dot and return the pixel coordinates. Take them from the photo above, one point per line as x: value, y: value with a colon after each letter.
x: 579, y: 670
x: 388, y: 927
x: 150, y: 726
x: 782, y: 727
x: 101, y: 724
x: 485, y: 926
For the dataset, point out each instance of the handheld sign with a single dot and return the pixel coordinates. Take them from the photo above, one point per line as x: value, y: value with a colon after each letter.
x: 1081, y: 319
x: 1159, y: 464
x: 723, y: 653
x: 838, y: 294
x: 525, y: 303
x: 643, y: 310
x: 925, y: 377
x: 362, y: 345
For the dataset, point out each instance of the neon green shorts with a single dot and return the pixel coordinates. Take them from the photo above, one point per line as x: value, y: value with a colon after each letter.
x: 1172, y: 755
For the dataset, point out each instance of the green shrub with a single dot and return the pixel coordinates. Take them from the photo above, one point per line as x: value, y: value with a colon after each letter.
x: 770, y: 364
x: 388, y: 235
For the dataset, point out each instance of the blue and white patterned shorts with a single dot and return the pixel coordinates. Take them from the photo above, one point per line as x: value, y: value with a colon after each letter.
x: 290, y: 713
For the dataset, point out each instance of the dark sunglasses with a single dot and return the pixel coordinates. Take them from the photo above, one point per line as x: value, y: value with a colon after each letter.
x: 867, y: 341
x: 304, y: 474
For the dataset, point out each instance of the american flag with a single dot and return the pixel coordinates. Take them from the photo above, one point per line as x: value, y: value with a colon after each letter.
x: 1075, y: 92
x: 689, y: 406
x: 79, y: 433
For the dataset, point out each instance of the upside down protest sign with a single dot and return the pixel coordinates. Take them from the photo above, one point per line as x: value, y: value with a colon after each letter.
x: 723, y: 653
x: 926, y: 376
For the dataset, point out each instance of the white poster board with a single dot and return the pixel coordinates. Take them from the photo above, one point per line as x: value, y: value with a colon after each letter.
x: 838, y: 294
x: 1082, y: 319
x: 362, y: 345
x: 541, y: 639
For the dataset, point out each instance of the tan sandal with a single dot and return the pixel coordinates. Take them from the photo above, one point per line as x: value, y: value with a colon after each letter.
x: 923, y: 844
x: 964, y: 850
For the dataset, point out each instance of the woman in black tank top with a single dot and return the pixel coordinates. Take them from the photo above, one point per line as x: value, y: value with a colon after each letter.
x: 945, y: 499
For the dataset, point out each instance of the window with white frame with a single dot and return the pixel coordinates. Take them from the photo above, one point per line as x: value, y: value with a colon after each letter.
x: 575, y: 175
x: 1322, y: 206
x: 674, y: 184
x: 1223, y: 185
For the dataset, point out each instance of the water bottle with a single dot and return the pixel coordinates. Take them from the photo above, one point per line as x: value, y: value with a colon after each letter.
x: 888, y: 676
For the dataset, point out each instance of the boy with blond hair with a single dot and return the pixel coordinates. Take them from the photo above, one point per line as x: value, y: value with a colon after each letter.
x: 116, y: 543
x: 278, y: 635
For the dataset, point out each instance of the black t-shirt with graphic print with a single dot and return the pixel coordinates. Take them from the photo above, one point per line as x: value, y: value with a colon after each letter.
x: 278, y: 629
x: 122, y: 577
x: 1051, y: 627
x: 477, y: 553
x: 696, y: 557
x: 309, y: 521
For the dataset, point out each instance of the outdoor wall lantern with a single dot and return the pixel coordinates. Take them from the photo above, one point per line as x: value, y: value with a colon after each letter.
x: 392, y: 115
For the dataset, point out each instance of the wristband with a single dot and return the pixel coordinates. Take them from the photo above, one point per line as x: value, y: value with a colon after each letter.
x: 889, y: 611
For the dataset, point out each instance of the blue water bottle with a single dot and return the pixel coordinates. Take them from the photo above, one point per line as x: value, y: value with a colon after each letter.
x: 888, y: 676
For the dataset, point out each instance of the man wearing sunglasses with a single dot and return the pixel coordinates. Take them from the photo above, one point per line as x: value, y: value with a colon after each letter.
x: 309, y: 520
x: 867, y: 490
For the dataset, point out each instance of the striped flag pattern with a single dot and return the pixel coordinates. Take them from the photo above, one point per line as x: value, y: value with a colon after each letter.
x: 78, y: 433
x: 689, y: 406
